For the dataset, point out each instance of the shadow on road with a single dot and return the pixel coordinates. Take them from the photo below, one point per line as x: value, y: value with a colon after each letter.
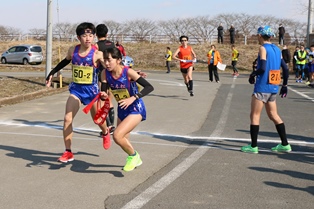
x: 38, y: 158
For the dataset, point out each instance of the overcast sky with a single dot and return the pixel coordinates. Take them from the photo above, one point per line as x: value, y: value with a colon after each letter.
x: 28, y: 14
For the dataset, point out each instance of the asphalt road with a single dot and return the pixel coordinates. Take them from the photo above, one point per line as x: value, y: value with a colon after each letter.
x: 189, y: 147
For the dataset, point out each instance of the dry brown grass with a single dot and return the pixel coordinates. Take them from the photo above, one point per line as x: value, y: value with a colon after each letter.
x: 151, y: 56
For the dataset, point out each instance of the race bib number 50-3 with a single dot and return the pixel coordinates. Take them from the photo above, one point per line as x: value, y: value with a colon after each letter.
x: 82, y: 74
x: 274, y: 77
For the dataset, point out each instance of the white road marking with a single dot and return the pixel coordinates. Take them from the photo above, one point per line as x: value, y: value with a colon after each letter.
x: 166, y: 180
x: 170, y: 144
x: 169, y: 83
x: 302, y: 94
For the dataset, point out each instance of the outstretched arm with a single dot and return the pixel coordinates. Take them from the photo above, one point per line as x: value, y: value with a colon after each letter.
x: 60, y: 66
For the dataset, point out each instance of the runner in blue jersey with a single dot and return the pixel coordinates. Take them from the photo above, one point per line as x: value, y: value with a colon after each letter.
x: 85, y: 60
x: 268, y: 78
x: 121, y: 81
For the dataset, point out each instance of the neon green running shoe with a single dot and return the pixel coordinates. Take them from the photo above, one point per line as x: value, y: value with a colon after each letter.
x: 281, y: 148
x: 249, y: 149
x: 132, y: 162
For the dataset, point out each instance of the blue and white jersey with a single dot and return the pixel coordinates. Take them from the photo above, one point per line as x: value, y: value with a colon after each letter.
x: 123, y: 88
x: 84, y: 76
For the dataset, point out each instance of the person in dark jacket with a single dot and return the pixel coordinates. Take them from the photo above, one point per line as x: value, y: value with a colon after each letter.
x: 294, y: 60
x: 102, y: 45
x: 232, y: 34
x: 286, y: 56
x: 220, y: 30
x: 281, y: 33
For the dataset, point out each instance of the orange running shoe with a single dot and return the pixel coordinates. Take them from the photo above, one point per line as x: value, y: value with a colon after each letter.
x: 66, y: 157
x: 106, y: 140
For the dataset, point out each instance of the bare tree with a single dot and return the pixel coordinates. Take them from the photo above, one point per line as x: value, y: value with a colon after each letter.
x: 3, y: 30
x: 176, y: 28
x: 165, y: 28
x: 64, y: 30
x: 115, y: 29
x: 3, y: 33
x: 298, y: 32
x: 225, y: 19
x: 14, y: 31
x: 140, y: 29
x: 202, y: 29
x: 247, y: 24
x: 38, y: 33
x: 10, y: 33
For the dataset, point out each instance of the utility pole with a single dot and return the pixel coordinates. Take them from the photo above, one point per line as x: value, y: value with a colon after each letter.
x: 49, y: 38
x: 309, y: 23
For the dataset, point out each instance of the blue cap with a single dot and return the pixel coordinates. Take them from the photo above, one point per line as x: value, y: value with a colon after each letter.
x: 265, y: 31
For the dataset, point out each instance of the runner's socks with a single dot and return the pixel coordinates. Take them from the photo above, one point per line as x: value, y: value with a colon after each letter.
x: 190, y: 85
x: 282, y: 133
x: 254, y: 132
x: 111, y: 115
x: 187, y: 86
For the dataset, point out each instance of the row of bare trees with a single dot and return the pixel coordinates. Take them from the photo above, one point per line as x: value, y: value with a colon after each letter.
x: 200, y: 29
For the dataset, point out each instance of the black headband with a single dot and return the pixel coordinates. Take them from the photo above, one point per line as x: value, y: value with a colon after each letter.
x: 86, y: 31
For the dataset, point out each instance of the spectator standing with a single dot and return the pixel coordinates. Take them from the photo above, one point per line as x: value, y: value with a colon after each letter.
x: 220, y: 30
x: 301, y: 61
x: 232, y: 34
x: 213, y: 59
x: 281, y: 34
x: 295, y: 59
x: 234, y: 60
x: 168, y: 58
x: 306, y: 67
x: 121, y: 48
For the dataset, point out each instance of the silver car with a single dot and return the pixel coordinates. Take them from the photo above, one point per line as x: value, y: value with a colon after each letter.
x: 23, y: 54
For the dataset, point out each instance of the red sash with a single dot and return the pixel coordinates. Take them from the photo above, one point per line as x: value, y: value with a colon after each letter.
x: 102, y: 112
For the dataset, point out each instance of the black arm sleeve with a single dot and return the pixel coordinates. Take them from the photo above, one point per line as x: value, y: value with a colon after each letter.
x: 261, y: 68
x: 104, y: 87
x: 147, y: 87
x: 285, y: 72
x: 59, y: 66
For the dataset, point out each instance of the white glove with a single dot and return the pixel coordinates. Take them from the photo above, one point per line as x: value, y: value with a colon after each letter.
x: 194, y: 60
x: 182, y: 60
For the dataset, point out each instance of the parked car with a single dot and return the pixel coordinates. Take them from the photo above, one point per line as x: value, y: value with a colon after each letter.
x: 23, y: 54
